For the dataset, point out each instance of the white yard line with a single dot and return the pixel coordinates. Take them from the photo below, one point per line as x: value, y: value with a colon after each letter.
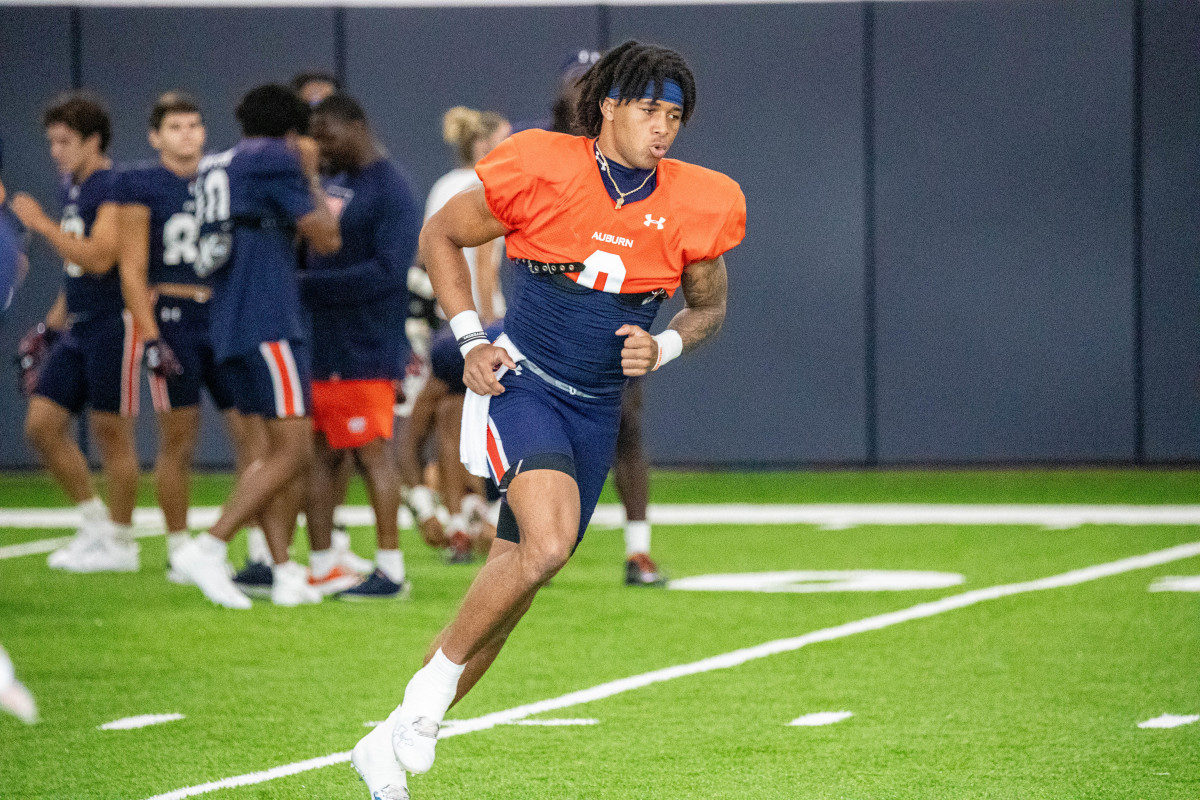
x: 735, y: 658
x: 149, y: 521
x: 142, y: 721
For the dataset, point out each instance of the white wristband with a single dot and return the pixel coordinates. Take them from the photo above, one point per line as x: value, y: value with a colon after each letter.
x: 468, y: 331
x: 670, y: 346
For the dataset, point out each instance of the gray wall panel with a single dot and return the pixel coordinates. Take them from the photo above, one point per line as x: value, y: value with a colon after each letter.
x: 1171, y: 234
x: 1004, y: 231
x: 35, y: 64
x: 779, y: 109
x: 408, y: 66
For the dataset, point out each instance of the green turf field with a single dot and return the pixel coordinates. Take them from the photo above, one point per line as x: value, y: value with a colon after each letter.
x: 1034, y: 695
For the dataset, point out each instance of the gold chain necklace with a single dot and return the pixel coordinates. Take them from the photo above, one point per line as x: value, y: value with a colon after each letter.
x: 620, y: 195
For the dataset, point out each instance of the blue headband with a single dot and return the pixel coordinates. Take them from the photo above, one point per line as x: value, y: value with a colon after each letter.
x: 671, y: 93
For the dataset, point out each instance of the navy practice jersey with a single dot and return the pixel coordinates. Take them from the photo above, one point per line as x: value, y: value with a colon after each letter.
x: 358, y: 297
x: 88, y: 294
x: 174, y: 232
x: 12, y: 248
x: 247, y: 201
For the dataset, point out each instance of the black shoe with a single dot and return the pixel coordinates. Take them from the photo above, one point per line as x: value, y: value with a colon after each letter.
x: 255, y: 579
x: 377, y: 586
x: 640, y: 570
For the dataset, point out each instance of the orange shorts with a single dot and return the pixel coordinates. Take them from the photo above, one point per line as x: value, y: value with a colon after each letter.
x: 353, y: 413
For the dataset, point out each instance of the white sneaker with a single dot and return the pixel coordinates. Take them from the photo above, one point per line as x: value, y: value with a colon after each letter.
x: 290, y: 587
x: 375, y: 762
x: 413, y: 742
x: 346, y: 557
x: 205, y: 566
x: 84, y: 537
x: 103, y: 555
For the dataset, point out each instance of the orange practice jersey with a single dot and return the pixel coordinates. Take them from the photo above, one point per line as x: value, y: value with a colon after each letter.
x: 547, y: 190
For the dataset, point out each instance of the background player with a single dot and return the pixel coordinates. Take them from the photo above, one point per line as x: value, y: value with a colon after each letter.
x: 169, y: 302
x: 96, y: 353
x: 251, y: 202
x: 358, y: 300
x: 576, y: 329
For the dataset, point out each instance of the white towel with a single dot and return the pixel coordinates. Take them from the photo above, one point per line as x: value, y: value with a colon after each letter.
x: 472, y: 439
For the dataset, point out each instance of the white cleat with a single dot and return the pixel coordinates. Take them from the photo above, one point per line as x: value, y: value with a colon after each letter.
x: 290, y: 586
x: 85, y: 536
x: 207, y: 570
x: 103, y: 555
x: 376, y: 764
x: 347, y: 558
x: 413, y: 741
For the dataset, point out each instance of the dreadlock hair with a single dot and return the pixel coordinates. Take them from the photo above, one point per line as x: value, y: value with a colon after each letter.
x: 82, y: 112
x: 630, y: 68
x: 172, y: 103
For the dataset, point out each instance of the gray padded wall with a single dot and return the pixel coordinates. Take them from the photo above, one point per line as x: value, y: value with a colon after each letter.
x: 408, y: 66
x: 1171, y: 233
x: 785, y: 380
x: 1004, y: 225
x: 35, y: 63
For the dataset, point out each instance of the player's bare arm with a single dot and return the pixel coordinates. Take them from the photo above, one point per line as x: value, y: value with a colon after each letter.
x: 465, y: 221
x: 95, y: 254
x: 705, y: 289
x: 319, y: 227
x: 56, y: 317
x: 133, y: 265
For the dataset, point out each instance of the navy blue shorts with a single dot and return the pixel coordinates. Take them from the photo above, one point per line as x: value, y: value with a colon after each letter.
x: 534, y: 425
x: 183, y: 324
x: 274, y: 382
x: 95, y: 364
x: 446, y: 361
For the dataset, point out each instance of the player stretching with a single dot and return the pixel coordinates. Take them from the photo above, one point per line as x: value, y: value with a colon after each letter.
x: 169, y: 303
x: 95, y: 360
x: 357, y: 299
x: 251, y: 201
x: 604, y: 228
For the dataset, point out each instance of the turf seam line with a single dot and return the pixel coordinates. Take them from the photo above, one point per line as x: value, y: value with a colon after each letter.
x: 733, y: 659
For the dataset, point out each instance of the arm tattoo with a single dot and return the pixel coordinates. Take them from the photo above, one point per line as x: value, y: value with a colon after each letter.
x: 705, y: 287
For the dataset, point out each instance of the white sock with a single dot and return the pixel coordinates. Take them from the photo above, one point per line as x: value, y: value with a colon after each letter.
x: 211, y: 546
x: 637, y: 537
x: 123, y: 533
x: 322, y: 562
x: 256, y: 547
x: 391, y: 563
x: 420, y: 499
x: 176, y: 540
x: 458, y: 524
x: 93, y: 510
x: 432, y: 689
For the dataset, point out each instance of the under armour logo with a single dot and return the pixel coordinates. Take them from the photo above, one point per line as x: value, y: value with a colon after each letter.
x: 650, y: 220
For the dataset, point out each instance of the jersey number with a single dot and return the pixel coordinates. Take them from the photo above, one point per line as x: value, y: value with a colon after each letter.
x: 604, y: 272
x: 212, y: 199
x: 212, y: 206
x: 74, y: 226
x: 180, y: 236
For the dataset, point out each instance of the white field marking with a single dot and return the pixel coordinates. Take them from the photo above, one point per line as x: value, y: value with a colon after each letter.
x: 555, y: 723
x: 143, y: 721
x: 734, y: 659
x: 1170, y: 721
x: 819, y: 718
x: 812, y: 581
x: 1176, y: 583
x: 149, y: 521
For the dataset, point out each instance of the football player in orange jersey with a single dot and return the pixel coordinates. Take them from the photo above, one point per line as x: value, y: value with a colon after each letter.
x: 603, y: 227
